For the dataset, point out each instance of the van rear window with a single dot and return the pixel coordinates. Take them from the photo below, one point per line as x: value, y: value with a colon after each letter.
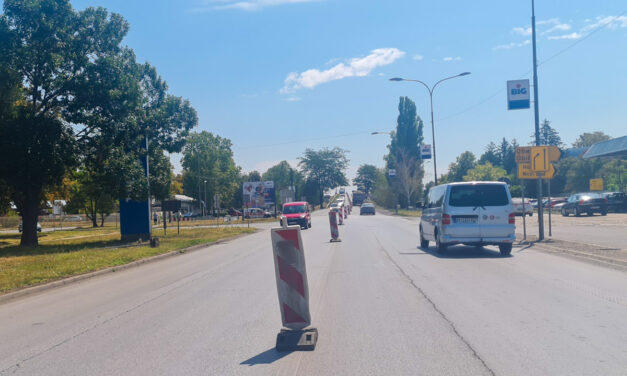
x: 478, y: 195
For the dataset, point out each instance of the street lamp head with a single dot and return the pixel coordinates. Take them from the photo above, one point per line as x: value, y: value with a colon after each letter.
x: 397, y: 79
x: 464, y: 74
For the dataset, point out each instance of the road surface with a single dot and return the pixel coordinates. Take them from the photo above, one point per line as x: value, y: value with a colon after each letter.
x: 381, y: 305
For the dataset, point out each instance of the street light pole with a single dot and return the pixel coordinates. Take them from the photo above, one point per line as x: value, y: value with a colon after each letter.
x: 430, y: 90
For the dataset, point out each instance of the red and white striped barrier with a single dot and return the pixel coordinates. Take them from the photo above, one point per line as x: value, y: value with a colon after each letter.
x: 291, y: 282
x: 335, y: 232
x: 340, y: 215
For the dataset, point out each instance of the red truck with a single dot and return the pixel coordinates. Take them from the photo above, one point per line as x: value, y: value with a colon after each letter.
x: 298, y: 213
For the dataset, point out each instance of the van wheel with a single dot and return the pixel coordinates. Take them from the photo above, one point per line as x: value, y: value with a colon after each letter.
x: 506, y: 249
x: 440, y: 247
x: 424, y: 243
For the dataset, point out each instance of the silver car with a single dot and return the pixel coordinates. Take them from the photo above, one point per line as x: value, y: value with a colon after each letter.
x: 472, y: 213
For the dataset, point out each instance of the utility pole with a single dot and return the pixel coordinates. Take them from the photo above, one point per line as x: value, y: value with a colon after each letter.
x: 537, y: 119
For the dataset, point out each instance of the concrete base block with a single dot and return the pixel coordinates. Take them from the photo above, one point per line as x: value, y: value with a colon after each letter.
x: 297, y: 340
x: 335, y: 240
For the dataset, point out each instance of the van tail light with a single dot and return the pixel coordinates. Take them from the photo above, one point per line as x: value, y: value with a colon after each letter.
x: 512, y: 219
x: 446, y: 219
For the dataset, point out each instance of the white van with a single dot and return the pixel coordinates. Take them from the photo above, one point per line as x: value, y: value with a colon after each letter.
x: 473, y: 213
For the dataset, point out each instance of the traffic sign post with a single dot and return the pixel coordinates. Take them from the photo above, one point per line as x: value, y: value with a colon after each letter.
x: 534, y: 162
x: 596, y: 184
x: 293, y: 290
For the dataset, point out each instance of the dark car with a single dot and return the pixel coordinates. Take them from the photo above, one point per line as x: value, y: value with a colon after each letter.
x: 616, y: 201
x: 366, y: 208
x: 234, y: 212
x: 588, y: 203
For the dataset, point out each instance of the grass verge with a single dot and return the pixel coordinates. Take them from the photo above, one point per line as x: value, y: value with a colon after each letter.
x: 408, y: 213
x: 63, y: 254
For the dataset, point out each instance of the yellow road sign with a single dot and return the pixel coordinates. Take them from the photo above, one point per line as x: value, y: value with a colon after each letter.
x: 554, y: 153
x: 596, y: 184
x: 540, y: 159
x: 523, y: 154
x: 525, y: 172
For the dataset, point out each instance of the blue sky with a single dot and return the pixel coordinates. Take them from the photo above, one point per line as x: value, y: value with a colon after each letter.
x: 278, y: 76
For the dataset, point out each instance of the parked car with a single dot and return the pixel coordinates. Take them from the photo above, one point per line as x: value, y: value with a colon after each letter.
x: 517, y: 204
x: 254, y: 213
x: 20, y: 227
x: 472, y: 213
x: 367, y: 208
x: 559, y: 206
x: 616, y: 201
x: 297, y: 213
x: 234, y: 212
x: 588, y: 203
x: 554, y: 201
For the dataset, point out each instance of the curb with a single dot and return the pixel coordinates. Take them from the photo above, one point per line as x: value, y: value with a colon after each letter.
x: 555, y: 248
x: 585, y: 255
x: 5, y: 298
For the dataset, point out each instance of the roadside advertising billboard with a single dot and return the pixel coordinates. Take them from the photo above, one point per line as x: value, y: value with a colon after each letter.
x: 258, y: 194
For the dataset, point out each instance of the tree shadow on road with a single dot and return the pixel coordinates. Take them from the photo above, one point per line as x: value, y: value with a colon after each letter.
x: 266, y: 357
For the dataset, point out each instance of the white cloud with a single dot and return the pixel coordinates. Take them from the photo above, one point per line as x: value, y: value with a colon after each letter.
x: 355, y: 67
x: 293, y: 99
x: 612, y: 22
x: 524, y: 31
x: 418, y: 57
x: 246, y: 5
x: 504, y: 46
x: 573, y: 35
x: 558, y: 27
x: 450, y: 58
x: 550, y: 21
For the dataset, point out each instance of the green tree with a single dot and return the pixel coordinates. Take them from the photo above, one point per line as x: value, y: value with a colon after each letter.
x: 324, y: 168
x: 284, y: 176
x: 492, y: 154
x: 208, y: 157
x: 548, y: 135
x: 382, y: 193
x: 581, y: 171
x: 409, y: 176
x: 366, y: 178
x: 405, y: 144
x: 458, y: 169
x: 485, y: 172
x: 76, y: 96
x: 588, y: 139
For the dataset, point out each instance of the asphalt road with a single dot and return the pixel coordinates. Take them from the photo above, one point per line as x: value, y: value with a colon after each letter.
x: 381, y: 305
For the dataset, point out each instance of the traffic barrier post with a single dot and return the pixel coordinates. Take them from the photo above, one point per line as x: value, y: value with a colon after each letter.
x: 340, y: 216
x: 293, y: 290
x: 335, y: 233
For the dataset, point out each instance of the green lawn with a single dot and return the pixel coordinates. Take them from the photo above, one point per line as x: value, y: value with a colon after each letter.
x: 67, y: 253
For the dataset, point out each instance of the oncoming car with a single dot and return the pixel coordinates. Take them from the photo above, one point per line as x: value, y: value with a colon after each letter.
x: 472, y: 213
x: 367, y: 208
x: 297, y: 213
